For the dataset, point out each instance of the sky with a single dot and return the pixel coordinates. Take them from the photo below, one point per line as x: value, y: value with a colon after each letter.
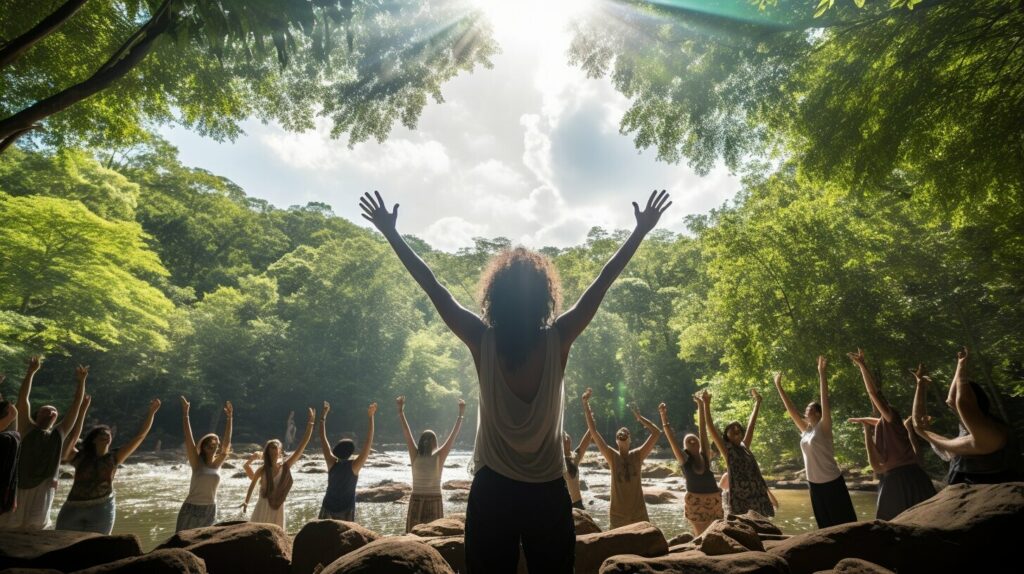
x: 529, y: 150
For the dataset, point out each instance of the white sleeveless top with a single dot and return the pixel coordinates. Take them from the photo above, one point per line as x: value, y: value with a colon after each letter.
x: 516, y: 439
x: 426, y: 475
x: 202, y: 489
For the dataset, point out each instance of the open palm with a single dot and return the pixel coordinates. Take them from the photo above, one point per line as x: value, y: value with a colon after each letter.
x: 375, y: 212
x: 657, y: 203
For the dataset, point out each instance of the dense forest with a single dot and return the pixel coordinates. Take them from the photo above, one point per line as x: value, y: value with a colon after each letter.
x: 882, y: 207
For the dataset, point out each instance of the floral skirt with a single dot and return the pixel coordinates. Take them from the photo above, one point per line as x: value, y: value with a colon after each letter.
x: 700, y: 507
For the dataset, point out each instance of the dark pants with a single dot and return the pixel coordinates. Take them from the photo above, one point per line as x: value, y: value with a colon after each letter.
x: 831, y: 503
x: 502, y: 513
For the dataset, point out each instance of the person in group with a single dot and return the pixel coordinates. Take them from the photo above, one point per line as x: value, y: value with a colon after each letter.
x: 342, y: 470
x: 10, y: 448
x: 520, y: 347
x: 748, y: 490
x: 830, y: 499
x: 274, y: 478
x: 985, y: 451
x: 627, y: 503
x: 425, y: 504
x: 702, y: 504
x: 904, y: 483
x: 572, y: 467
x: 290, y: 431
x: 91, y: 505
x: 200, y: 506
x: 42, y: 442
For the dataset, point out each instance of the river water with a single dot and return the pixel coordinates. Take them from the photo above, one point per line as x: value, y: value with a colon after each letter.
x: 149, y: 495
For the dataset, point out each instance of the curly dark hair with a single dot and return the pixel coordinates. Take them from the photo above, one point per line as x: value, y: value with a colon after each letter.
x: 520, y: 293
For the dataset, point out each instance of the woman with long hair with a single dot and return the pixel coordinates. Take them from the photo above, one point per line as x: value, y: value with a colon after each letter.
x: 747, y: 488
x: 520, y: 346
x: 702, y: 504
x: 425, y: 504
x: 200, y: 506
x: 342, y: 469
x: 830, y: 499
x: 91, y: 505
x: 627, y: 501
x: 275, y: 478
x: 573, y: 458
x: 904, y: 482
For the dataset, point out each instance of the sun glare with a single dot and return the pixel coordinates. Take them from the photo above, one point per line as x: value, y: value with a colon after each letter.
x: 534, y: 21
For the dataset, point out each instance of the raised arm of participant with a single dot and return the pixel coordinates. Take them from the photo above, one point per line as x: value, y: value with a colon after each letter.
x: 702, y: 429
x: 297, y: 453
x: 360, y: 460
x: 125, y: 451
x: 710, y: 424
x: 652, y: 438
x: 247, y: 467
x: 81, y: 374
x: 679, y: 453
x: 225, y: 443
x: 325, y: 445
x: 748, y: 438
x: 69, y: 451
x: 869, y: 443
x: 186, y: 429
x: 448, y: 442
x: 466, y: 325
x: 571, y: 323
x: 25, y: 421
x: 581, y: 449
x: 410, y: 442
x: 871, y: 386
x: 602, y: 446
x: 826, y: 401
x: 801, y: 424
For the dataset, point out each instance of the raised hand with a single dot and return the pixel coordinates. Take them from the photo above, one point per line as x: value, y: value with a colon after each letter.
x: 656, y: 205
x: 857, y: 358
x: 462, y: 407
x: 822, y: 364
x: 154, y: 406
x: 327, y: 409
x: 756, y: 395
x: 777, y: 379
x: 400, y: 401
x: 34, y: 362
x: 636, y: 411
x: 81, y: 372
x: 375, y: 212
x: 184, y: 405
x: 311, y: 416
x: 705, y: 397
x: 229, y: 409
x: 663, y: 410
x: 961, y: 355
x: 86, y: 401
x: 585, y: 397
x: 921, y: 374
x: 372, y: 409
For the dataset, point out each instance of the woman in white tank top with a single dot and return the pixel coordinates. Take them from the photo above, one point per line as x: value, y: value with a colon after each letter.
x: 200, y: 506
x: 520, y: 345
x: 425, y: 504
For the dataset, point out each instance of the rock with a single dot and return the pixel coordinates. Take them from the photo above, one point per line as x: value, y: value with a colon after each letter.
x: 603, y: 496
x: 584, y: 486
x: 440, y: 527
x: 985, y: 510
x: 383, y: 493
x: 324, y: 541
x: 378, y: 464
x: 239, y: 547
x: 459, y: 496
x: 171, y: 561
x: 678, y: 539
x: 759, y: 522
x: 584, y: 523
x: 697, y: 563
x: 642, y: 539
x: 659, y: 471
x: 314, y: 470
x: 728, y: 537
x: 239, y: 474
x: 451, y: 548
x: 63, y: 550
x: 858, y: 566
x: 457, y: 484
x: 310, y: 463
x: 393, y: 555
x: 659, y: 496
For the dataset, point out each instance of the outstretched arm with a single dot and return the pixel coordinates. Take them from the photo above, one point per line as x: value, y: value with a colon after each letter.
x: 403, y: 422
x: 710, y: 424
x: 247, y: 467
x: 463, y: 322
x: 69, y: 451
x: 702, y: 430
x: 652, y: 438
x: 25, y: 422
x: 186, y: 429
x: 81, y: 373
x: 125, y: 451
x: 801, y: 424
x: 826, y: 405
x: 581, y: 449
x: 592, y: 427
x: 297, y: 453
x: 360, y: 460
x: 325, y: 445
x: 225, y: 444
x: 253, y: 480
x: 448, y: 442
x: 869, y: 443
x: 871, y: 386
x: 679, y: 453
x: 748, y: 438
x: 571, y: 323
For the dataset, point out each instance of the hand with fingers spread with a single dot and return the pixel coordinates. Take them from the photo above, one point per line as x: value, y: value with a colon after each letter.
x: 375, y: 212
x: 858, y: 358
x: 81, y: 372
x: 657, y: 203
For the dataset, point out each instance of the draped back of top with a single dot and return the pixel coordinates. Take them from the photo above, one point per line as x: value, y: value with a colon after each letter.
x: 518, y: 439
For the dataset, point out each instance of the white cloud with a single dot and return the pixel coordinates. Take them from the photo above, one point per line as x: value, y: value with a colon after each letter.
x: 451, y: 233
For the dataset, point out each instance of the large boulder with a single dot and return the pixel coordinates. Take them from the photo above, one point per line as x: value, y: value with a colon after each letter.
x: 759, y: 522
x: 451, y: 548
x: 393, y: 555
x: 447, y: 526
x: 729, y: 537
x: 659, y: 471
x: 695, y: 562
x: 584, y: 523
x: 641, y: 538
x: 858, y: 566
x: 383, y: 492
x: 63, y: 550
x: 659, y: 496
x: 321, y: 542
x: 683, y: 538
x: 240, y: 547
x: 171, y: 561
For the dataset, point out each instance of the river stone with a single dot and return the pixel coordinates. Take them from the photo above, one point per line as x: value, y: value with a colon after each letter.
x: 759, y: 522
x: 858, y: 566
x: 393, y: 555
x: 658, y: 471
x: 659, y: 496
x: 459, y: 496
x: 451, y: 548
x: 240, y: 547
x: 641, y: 538
x: 321, y: 542
x: 729, y: 537
x: 457, y: 484
x: 171, y: 561
x: 63, y: 550
x: 696, y: 562
x: 383, y: 493
x: 684, y: 538
x: 447, y: 526
x: 584, y: 523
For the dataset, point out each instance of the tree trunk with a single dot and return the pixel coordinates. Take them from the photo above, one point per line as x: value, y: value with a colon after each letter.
x: 13, y: 50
